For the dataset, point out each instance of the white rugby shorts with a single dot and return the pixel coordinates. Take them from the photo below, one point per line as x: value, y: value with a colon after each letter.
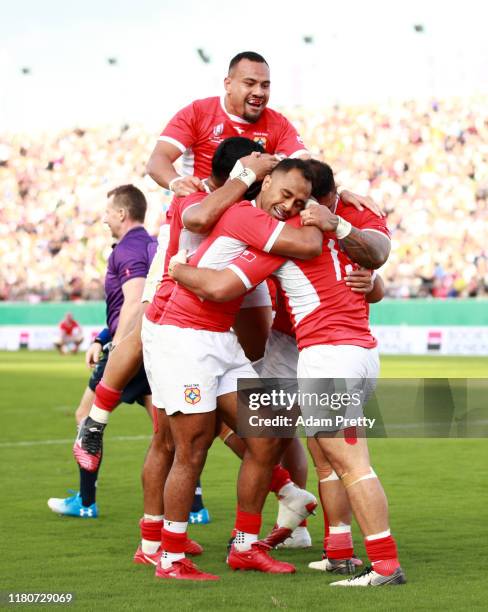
x: 354, y: 371
x: 280, y: 356
x: 188, y: 369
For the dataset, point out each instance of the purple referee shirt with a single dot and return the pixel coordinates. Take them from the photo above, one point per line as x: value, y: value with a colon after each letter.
x: 130, y: 258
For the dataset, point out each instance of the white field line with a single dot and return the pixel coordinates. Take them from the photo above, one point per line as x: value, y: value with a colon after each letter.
x: 23, y: 443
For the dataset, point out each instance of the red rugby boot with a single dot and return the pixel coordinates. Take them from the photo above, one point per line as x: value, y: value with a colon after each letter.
x: 183, y: 570
x: 257, y: 558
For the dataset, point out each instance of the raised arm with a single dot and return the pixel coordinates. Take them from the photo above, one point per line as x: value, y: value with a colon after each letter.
x: 161, y: 169
x: 203, y: 216
x: 367, y: 248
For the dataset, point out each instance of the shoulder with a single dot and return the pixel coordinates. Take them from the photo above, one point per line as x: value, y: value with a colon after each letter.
x: 275, y: 117
x: 362, y: 219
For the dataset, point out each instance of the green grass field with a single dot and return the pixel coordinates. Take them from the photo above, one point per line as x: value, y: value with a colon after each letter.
x: 436, y: 489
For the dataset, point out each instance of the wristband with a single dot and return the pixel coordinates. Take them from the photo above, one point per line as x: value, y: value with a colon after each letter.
x: 236, y: 170
x: 172, y: 181
x: 343, y: 228
x: 103, y: 337
x: 247, y: 176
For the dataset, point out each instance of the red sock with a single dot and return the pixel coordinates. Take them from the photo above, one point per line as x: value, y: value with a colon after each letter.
x: 106, y: 398
x: 303, y: 523
x: 247, y: 522
x: 151, y: 530
x: 383, y: 555
x: 173, y: 542
x: 339, y: 546
x: 279, y: 479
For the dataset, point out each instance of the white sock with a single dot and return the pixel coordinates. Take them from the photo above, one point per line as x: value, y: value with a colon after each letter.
x: 175, y: 526
x: 339, y: 529
x: 99, y: 415
x: 378, y: 536
x: 167, y: 558
x: 153, y: 517
x: 290, y: 487
x: 150, y: 547
x: 243, y: 540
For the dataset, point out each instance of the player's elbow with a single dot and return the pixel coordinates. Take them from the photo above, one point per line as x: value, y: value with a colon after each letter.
x: 379, y: 256
x: 217, y: 292
x: 198, y: 223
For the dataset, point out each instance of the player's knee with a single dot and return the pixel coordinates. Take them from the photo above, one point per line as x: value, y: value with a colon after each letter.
x: 192, y: 454
x: 356, y: 475
x: 265, y: 450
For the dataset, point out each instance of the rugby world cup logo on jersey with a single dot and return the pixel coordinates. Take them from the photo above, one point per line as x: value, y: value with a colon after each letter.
x: 192, y: 394
x: 218, y: 129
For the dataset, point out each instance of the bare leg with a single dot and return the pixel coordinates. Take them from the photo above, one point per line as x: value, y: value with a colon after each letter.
x: 85, y: 404
x: 193, y: 435
x: 157, y: 465
x: 294, y: 459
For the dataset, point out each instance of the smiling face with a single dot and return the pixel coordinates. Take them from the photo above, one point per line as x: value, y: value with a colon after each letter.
x: 247, y: 87
x: 284, y: 194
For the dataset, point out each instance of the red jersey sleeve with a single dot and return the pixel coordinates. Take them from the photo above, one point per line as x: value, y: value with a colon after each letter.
x: 364, y: 219
x: 251, y: 225
x: 181, y: 129
x: 290, y: 143
x: 191, y: 200
x: 254, y: 266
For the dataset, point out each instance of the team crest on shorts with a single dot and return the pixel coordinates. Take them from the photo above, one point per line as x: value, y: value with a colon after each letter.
x: 192, y: 395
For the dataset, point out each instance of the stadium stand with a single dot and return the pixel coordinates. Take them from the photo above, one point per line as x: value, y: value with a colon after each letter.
x: 425, y: 162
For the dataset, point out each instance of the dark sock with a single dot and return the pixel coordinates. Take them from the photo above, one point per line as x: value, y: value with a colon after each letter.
x: 198, y: 499
x: 88, y: 486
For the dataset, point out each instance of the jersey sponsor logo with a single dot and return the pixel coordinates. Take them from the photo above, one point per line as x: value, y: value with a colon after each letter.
x: 192, y: 394
x: 218, y: 129
x: 239, y: 130
x: 262, y: 140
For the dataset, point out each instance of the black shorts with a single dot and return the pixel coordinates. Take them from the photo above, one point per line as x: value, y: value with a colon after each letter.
x: 135, y: 391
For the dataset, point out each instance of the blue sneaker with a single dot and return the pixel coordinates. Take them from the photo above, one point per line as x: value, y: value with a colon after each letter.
x: 72, y: 506
x: 202, y: 517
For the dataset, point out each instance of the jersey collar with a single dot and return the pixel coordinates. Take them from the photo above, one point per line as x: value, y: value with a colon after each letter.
x: 233, y: 118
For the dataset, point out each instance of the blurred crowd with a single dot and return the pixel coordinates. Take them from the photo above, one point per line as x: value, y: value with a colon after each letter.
x: 426, y: 163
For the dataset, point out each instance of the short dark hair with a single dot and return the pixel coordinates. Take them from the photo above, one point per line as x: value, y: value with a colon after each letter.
x: 132, y: 199
x: 288, y: 164
x: 249, y: 55
x: 229, y: 152
x: 323, y: 181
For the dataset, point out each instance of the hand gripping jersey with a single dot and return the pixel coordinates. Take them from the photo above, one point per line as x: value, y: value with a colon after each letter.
x: 199, y: 128
x: 240, y: 226
x: 322, y: 308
